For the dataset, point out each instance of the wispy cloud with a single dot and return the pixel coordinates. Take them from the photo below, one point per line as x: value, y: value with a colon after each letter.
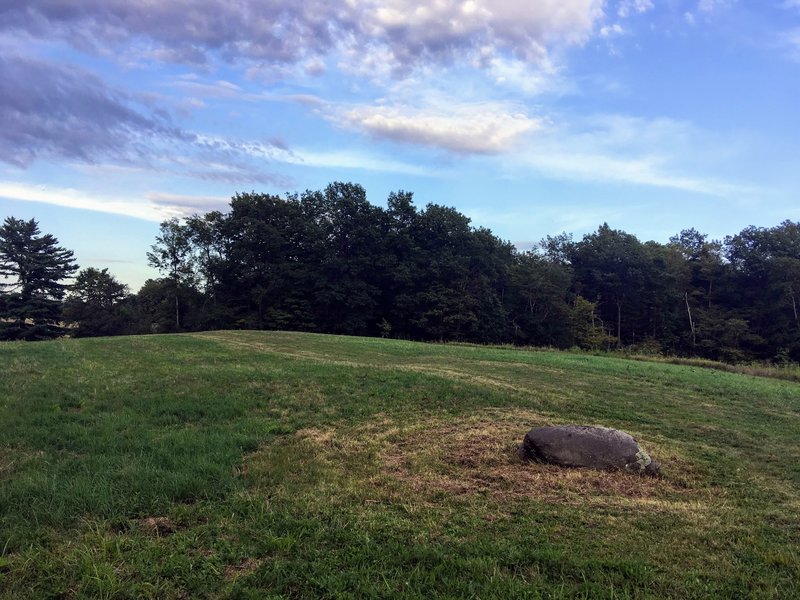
x: 627, y: 8
x: 60, y: 111
x: 74, y: 198
x: 53, y: 111
x: 710, y: 6
x: 187, y: 205
x: 359, y: 161
x: 648, y: 171
x: 617, y: 149
x: 529, y: 80
x: 789, y: 42
x: 150, y: 206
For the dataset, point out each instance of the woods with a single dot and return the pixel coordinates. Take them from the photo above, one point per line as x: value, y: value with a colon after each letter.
x: 330, y: 261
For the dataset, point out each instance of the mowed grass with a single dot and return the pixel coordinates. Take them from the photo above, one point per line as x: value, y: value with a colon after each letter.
x: 282, y: 465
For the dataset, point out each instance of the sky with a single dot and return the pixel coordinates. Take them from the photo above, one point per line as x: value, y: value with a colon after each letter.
x: 531, y: 118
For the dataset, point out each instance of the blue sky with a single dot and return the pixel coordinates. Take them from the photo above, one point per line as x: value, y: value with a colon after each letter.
x: 531, y: 118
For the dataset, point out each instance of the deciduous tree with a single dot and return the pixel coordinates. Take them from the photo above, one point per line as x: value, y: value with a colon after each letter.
x: 172, y: 255
x: 95, y: 304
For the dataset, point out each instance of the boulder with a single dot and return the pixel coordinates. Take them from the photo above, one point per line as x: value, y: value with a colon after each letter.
x: 586, y: 446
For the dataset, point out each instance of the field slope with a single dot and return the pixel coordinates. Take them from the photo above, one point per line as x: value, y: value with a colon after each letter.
x: 268, y: 464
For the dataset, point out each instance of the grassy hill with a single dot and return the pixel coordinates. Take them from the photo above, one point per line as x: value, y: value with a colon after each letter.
x: 253, y: 465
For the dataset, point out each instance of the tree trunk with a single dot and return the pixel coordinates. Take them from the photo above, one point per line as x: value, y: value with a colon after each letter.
x: 177, y: 311
x: 619, y: 323
x: 709, y: 293
x: 691, y: 322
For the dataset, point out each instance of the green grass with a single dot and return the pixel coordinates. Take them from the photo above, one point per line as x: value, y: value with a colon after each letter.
x: 281, y: 465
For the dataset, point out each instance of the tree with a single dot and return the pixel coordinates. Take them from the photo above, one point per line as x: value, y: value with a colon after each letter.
x: 353, y: 266
x: 205, y: 235
x: 172, y: 255
x: 32, y: 267
x: 537, y: 298
x: 95, y: 304
x: 766, y: 275
x: 271, y: 262
x: 152, y: 309
x: 703, y: 281
x: 610, y: 269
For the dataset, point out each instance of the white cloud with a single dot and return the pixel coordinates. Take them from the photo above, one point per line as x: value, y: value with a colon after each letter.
x: 72, y: 198
x: 185, y: 204
x: 709, y: 6
x: 527, y: 80
x: 480, y: 128
x: 609, y: 31
x: 626, y: 8
x: 314, y: 67
x: 414, y: 29
x: 192, y: 84
x: 689, y: 17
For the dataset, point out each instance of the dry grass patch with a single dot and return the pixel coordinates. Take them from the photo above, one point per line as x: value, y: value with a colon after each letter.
x: 479, y: 456
x: 482, y: 458
x: 427, y: 461
x: 12, y: 459
x: 247, y: 567
x: 157, y: 526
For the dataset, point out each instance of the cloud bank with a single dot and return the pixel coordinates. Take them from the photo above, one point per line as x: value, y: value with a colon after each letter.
x: 197, y: 31
x: 62, y: 111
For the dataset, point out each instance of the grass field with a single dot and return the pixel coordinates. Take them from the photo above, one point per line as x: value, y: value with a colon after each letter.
x: 279, y: 465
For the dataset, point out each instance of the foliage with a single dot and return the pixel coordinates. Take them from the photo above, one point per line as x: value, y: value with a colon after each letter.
x: 33, y: 268
x: 172, y: 256
x: 96, y: 304
x: 330, y: 261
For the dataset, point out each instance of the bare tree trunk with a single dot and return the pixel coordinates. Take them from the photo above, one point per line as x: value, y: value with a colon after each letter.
x: 691, y: 322
x: 619, y: 323
x: 177, y: 310
x: 794, y: 304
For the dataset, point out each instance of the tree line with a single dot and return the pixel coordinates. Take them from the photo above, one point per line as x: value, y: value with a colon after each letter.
x: 329, y: 261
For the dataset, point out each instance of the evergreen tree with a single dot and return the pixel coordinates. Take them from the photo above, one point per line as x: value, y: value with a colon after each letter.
x: 33, y: 268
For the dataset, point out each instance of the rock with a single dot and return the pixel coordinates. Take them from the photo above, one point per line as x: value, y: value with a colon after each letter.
x: 586, y: 446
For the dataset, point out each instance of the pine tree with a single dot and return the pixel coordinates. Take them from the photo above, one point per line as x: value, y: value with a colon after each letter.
x: 32, y: 270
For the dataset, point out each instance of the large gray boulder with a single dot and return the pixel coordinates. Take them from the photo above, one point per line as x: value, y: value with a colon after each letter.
x: 586, y: 446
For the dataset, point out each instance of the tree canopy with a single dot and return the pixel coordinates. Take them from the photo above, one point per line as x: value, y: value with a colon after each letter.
x: 330, y: 261
x: 33, y: 268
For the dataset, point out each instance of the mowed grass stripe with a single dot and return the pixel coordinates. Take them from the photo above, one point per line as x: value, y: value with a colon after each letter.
x: 257, y: 464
